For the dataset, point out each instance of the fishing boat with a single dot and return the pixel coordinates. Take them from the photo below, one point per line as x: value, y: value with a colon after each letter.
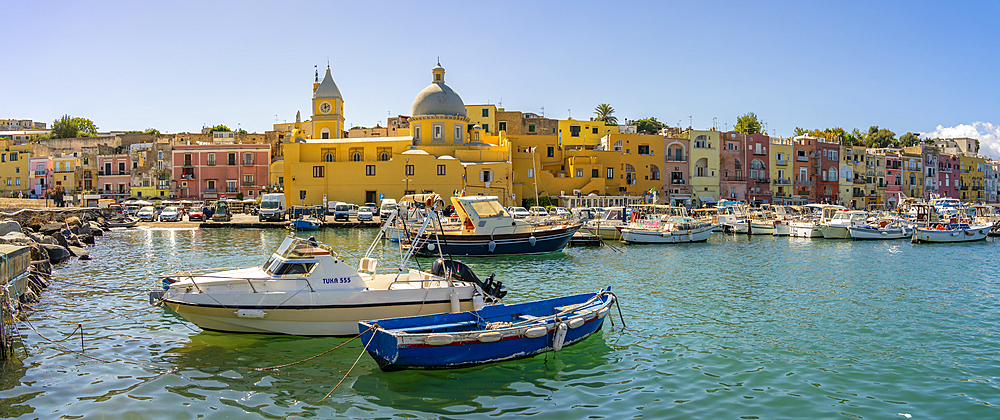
x: 306, y: 223
x: 122, y: 222
x: 307, y: 288
x: 836, y: 227
x: 809, y: 226
x: 668, y: 230
x: 492, y: 334
x: 884, y: 229
x: 951, y: 232
x: 487, y: 229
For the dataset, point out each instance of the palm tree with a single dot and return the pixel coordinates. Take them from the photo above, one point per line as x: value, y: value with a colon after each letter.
x: 604, y: 112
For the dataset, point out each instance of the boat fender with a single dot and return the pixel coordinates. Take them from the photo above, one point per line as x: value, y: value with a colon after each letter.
x: 560, y: 336
x: 489, y: 337
x: 250, y: 313
x: 492, y: 246
x: 954, y: 234
x: 439, y: 339
x: 970, y: 233
x: 455, y: 304
x: 575, y: 322
x: 532, y: 240
x: 535, y: 332
x: 603, y: 312
x: 430, y: 247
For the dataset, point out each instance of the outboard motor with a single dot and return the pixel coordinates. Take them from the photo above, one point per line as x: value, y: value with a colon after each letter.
x: 458, y: 271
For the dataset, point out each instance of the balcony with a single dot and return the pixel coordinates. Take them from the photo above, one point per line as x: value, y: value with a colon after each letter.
x: 733, y: 179
x: 760, y: 152
x: 797, y: 182
x: 248, y: 184
x: 113, y: 173
x: 672, y: 158
x: 677, y: 182
x: 859, y: 181
x: 781, y: 181
x: 781, y: 162
x: 210, y: 190
x: 760, y: 180
x: 41, y: 173
x: 187, y: 176
x: 232, y: 190
x: 187, y: 163
x: 248, y: 162
x: 210, y: 163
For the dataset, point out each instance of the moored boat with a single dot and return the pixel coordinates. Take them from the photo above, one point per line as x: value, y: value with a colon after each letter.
x: 950, y: 232
x: 306, y: 223
x: 492, y: 334
x: 836, y: 227
x: 672, y: 230
x: 886, y: 229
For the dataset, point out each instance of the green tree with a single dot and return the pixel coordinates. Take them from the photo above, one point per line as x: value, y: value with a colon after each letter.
x: 879, y: 137
x: 909, y: 139
x: 799, y: 131
x: 604, y: 113
x: 67, y: 127
x: 219, y: 127
x: 748, y: 124
x: 648, y: 125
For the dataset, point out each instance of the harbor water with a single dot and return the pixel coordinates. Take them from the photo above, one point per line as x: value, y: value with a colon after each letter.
x: 736, y: 328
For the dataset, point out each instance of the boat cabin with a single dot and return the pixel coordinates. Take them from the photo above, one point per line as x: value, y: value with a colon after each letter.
x: 484, y: 215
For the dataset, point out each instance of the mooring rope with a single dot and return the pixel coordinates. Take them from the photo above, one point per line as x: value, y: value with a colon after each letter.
x: 341, y: 379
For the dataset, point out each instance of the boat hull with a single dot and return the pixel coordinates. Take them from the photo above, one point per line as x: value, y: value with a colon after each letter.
x: 781, y: 228
x: 305, y: 225
x: 651, y: 236
x: 835, y: 232
x: 609, y: 232
x: 969, y: 234
x: 395, y: 345
x: 805, y: 230
x: 761, y: 228
x: 537, y: 242
x: 861, y: 233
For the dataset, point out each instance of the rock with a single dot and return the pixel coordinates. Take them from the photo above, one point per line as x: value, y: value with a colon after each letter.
x: 83, y: 229
x: 15, y: 238
x: 73, y: 221
x: 96, y: 229
x: 8, y: 226
x: 86, y: 239
x: 49, y: 240
x: 36, y: 252
x: 60, y: 239
x: 79, y: 252
x: 57, y: 254
x: 50, y: 228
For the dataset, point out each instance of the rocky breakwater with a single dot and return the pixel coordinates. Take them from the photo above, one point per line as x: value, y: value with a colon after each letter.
x: 30, y: 245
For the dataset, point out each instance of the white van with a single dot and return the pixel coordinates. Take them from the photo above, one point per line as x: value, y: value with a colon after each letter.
x: 272, y: 207
x: 388, y: 206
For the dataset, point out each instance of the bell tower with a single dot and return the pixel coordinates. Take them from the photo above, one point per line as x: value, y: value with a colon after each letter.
x: 328, y: 109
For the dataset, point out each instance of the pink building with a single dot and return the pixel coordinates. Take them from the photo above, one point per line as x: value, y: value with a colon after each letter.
x: 949, y: 175
x: 893, y: 177
x: 220, y: 171
x: 113, y: 176
x: 39, y: 175
x: 827, y: 167
x: 759, y: 172
x: 732, y: 164
x: 676, y: 188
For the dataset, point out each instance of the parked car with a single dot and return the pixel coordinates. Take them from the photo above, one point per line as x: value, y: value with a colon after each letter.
x: 365, y: 213
x: 373, y: 207
x: 345, y: 211
x: 146, y: 214
x: 538, y: 211
x: 519, y: 212
x: 170, y: 214
x: 560, y: 212
x: 196, y: 214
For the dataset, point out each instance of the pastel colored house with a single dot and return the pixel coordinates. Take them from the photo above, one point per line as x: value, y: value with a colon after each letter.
x: 220, y: 171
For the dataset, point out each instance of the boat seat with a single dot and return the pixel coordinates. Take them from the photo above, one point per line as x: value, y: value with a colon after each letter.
x: 367, y: 265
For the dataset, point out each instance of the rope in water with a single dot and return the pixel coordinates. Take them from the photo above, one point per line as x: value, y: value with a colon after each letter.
x: 341, y: 379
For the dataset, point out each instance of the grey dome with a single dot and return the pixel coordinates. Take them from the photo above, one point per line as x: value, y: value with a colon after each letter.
x: 438, y: 99
x: 327, y: 88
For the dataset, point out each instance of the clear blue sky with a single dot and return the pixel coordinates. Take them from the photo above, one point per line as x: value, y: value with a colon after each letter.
x: 175, y: 66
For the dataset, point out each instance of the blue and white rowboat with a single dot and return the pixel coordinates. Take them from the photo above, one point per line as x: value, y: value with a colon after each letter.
x: 492, y: 334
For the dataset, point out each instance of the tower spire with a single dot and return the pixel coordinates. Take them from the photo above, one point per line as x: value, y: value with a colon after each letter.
x: 316, y: 68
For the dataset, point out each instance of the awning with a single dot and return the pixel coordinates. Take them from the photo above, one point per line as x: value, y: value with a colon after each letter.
x: 709, y: 199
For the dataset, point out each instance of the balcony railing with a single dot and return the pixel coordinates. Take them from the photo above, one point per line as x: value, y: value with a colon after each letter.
x: 232, y: 190
x: 802, y: 158
x: 187, y: 176
x: 673, y: 158
x: 797, y: 182
x: 781, y: 181
x: 859, y: 181
x: 760, y: 180
x: 113, y: 173
x: 247, y: 162
x: 248, y: 184
x: 210, y: 190
x: 782, y: 162
x: 37, y: 173
x: 677, y: 182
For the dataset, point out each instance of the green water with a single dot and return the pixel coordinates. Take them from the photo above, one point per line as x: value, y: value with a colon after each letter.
x: 736, y: 328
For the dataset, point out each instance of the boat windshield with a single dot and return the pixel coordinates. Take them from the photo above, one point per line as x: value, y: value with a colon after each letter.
x: 490, y: 208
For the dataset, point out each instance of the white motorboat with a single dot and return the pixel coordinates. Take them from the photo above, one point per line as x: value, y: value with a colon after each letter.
x: 809, y: 226
x: 836, y: 228
x: 609, y: 225
x: 306, y: 288
x: 951, y: 232
x: 672, y: 230
x: 885, y: 229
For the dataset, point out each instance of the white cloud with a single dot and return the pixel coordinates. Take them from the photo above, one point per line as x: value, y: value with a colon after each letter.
x: 987, y: 133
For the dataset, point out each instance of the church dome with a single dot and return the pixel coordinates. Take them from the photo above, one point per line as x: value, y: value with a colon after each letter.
x: 438, y: 98
x: 327, y: 88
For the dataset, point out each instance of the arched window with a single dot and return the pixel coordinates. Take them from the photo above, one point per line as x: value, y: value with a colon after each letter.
x: 654, y: 173
x: 384, y: 156
x: 845, y: 173
x: 701, y: 167
x: 618, y: 146
x: 324, y: 133
x: 757, y: 164
x: 356, y: 157
x: 328, y: 157
x: 833, y: 174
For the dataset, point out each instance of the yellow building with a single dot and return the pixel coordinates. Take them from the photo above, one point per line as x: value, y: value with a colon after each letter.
x: 781, y: 169
x: 328, y: 109
x: 13, y: 168
x: 704, y: 167
x: 441, y: 155
x: 913, y: 179
x: 583, y: 134
x: 972, y: 178
x: 64, y: 173
x: 484, y: 116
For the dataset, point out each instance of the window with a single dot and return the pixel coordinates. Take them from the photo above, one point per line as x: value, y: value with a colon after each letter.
x: 486, y: 127
x: 210, y: 185
x: 232, y: 159
x: 531, y: 128
x: 409, y: 169
x: 574, y: 131
x: 121, y: 168
x: 502, y: 125
x: 531, y: 173
x: 370, y: 170
x: 302, y: 194
x: 486, y: 176
x: 211, y: 159
x: 643, y: 149
x: 318, y: 171
x: 187, y: 160
x: 458, y: 132
x: 701, y: 141
x: 384, y: 156
x: 231, y: 185
x: 550, y: 151
x: 737, y: 165
x: 611, y: 173
x: 248, y: 158
x: 654, y: 172
x: 356, y: 157
x: 17, y: 181
x: 13, y: 157
x: 328, y: 157
x: 325, y: 134
x: 159, y: 165
x: 595, y: 173
x: 486, y: 112
x: 441, y: 169
x: 595, y: 130
x: 579, y: 173
x: 437, y: 131
x: 159, y: 155
x: 3, y: 158
x: 416, y: 134
x: 247, y: 179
